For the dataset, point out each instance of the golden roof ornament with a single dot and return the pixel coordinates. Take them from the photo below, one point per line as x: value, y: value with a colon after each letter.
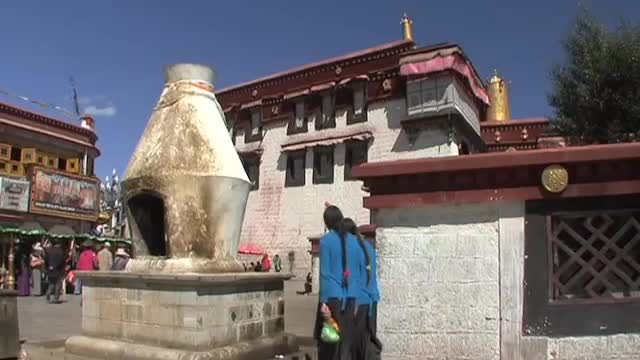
x: 407, y: 27
x: 500, y: 108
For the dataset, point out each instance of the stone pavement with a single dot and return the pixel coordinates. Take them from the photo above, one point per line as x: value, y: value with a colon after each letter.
x: 44, y: 327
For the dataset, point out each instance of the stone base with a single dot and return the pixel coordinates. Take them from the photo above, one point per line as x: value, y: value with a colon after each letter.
x: 156, y: 265
x: 192, y: 316
x: 91, y: 348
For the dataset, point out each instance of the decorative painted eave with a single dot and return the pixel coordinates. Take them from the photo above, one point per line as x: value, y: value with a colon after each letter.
x: 518, y: 134
x: 46, y: 120
x: 444, y: 57
x: 338, y: 69
x: 592, y: 170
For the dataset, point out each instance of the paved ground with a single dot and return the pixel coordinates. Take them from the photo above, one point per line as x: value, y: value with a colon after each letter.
x: 41, y: 322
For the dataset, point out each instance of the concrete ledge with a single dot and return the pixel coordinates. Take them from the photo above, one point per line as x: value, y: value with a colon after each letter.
x: 90, y: 348
x: 189, y: 278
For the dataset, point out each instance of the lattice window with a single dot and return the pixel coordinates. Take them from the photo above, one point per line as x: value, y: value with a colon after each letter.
x: 594, y: 256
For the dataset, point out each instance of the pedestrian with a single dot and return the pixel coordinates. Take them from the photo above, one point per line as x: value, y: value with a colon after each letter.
x: 88, y: 261
x: 258, y: 267
x: 37, y: 265
x: 266, y: 263
x: 366, y: 345
x: 105, y: 258
x: 277, y: 263
x: 340, y: 256
x: 24, y: 275
x: 54, y: 263
x: 121, y: 259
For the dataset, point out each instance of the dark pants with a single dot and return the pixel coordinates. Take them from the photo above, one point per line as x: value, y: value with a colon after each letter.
x: 358, y: 339
x: 54, y: 287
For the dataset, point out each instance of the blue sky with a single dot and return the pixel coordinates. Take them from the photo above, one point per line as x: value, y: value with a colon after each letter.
x: 116, y: 50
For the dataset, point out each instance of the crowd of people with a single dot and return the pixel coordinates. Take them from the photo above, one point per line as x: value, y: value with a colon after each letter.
x: 48, y: 269
x: 266, y: 264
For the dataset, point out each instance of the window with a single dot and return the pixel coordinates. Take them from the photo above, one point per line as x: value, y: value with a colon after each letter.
x: 359, y: 112
x: 323, y: 165
x: 295, y: 175
x: 254, y: 132
x: 356, y: 153
x: 16, y: 153
x: 298, y: 123
x: 62, y: 164
x: 328, y: 118
x: 251, y: 165
x: 426, y: 95
x: 582, y: 266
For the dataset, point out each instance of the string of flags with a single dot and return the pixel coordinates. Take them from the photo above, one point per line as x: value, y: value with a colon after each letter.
x: 38, y: 103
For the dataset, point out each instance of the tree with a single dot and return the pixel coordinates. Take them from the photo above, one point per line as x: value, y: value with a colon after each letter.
x: 596, y: 92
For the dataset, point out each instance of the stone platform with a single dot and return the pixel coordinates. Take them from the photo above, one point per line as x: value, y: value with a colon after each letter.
x: 186, y: 316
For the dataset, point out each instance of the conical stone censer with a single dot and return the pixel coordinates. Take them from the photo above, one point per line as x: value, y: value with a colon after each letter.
x: 184, y: 295
x: 185, y: 188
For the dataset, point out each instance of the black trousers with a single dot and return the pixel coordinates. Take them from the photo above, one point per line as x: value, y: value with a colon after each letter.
x: 357, y: 333
x: 54, y: 287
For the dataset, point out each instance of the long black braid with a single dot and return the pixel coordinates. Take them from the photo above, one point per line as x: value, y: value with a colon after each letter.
x: 348, y: 226
x: 333, y: 221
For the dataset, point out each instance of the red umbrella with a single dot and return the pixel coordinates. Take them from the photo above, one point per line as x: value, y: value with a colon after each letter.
x: 251, y: 249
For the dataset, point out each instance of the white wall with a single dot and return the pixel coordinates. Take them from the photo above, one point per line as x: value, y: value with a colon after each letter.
x: 281, y: 218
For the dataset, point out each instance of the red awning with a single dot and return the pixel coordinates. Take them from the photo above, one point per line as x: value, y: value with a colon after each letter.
x: 251, y: 104
x: 251, y: 249
x: 295, y: 94
x: 322, y: 87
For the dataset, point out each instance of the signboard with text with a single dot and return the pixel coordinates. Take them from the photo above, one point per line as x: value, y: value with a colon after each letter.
x: 61, y: 194
x: 14, y: 194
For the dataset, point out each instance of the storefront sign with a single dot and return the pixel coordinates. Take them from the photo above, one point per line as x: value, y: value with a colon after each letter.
x: 14, y: 194
x: 60, y: 194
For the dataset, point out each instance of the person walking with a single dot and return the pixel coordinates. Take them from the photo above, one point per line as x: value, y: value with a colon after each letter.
x: 120, y: 261
x: 54, y: 264
x: 24, y: 275
x: 37, y: 265
x: 266, y: 263
x: 105, y: 258
x: 88, y: 261
x: 277, y: 263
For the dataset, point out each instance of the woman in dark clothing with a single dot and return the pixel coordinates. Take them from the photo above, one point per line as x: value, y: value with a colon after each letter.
x: 24, y: 277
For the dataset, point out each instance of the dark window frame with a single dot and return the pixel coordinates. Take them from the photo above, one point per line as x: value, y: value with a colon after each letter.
x: 251, y: 165
x: 352, y: 118
x: 323, y: 156
x: 544, y: 317
x: 248, y: 136
x: 327, y: 121
x: 295, y: 159
x: 291, y: 127
x: 352, y: 148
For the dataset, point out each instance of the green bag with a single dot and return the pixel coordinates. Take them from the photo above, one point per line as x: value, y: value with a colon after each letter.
x: 329, y: 334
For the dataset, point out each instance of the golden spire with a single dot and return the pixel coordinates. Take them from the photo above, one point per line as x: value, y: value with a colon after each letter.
x: 407, y: 27
x: 500, y: 108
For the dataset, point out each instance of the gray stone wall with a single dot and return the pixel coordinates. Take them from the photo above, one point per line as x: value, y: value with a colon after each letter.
x: 439, y: 282
x: 192, y: 316
x: 449, y: 273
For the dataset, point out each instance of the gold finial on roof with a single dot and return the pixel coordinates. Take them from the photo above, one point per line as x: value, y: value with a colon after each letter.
x: 407, y: 27
x: 500, y: 108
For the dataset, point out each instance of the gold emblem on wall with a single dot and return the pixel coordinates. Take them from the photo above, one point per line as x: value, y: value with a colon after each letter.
x: 555, y: 178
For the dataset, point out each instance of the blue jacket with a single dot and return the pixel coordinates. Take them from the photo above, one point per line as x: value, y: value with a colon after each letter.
x: 332, y: 284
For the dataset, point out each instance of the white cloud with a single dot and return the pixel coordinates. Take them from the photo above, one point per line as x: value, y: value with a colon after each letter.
x: 106, y: 111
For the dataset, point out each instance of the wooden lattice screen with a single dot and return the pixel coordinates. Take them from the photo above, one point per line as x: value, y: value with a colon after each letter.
x: 594, y: 256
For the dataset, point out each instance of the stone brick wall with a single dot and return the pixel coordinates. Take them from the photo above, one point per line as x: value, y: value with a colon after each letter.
x: 281, y: 218
x: 439, y: 282
x: 449, y: 273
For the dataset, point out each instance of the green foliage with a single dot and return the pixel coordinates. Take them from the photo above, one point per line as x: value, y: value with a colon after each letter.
x: 596, y: 93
